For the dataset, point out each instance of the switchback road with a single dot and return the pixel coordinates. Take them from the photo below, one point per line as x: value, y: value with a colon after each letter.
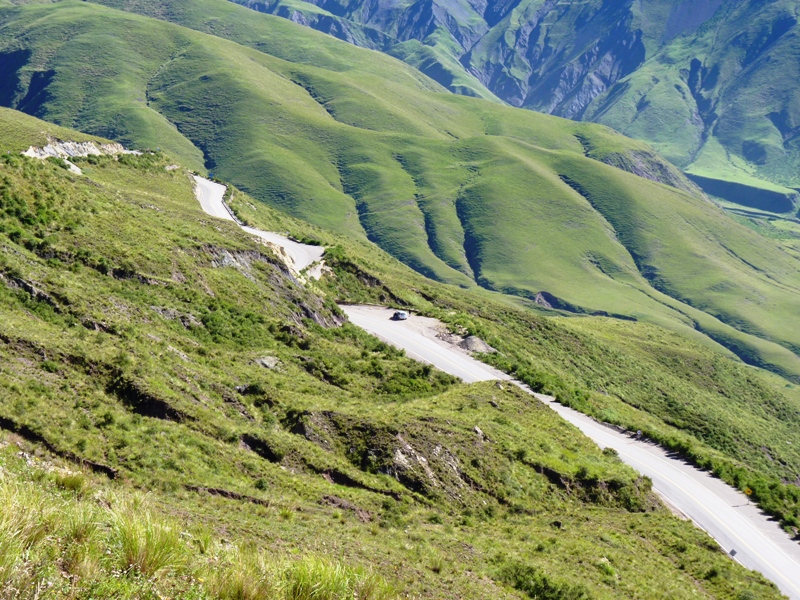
x: 210, y: 195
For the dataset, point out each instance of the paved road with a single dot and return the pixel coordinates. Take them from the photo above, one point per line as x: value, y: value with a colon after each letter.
x: 210, y: 195
x: 303, y: 255
x: 714, y: 506
x: 416, y: 337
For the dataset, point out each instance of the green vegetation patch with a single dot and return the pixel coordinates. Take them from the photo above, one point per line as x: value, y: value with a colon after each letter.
x: 171, y: 353
x: 465, y: 191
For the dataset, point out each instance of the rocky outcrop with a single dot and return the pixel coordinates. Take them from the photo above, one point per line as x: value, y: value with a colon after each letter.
x: 63, y: 151
x: 650, y: 166
x: 57, y: 149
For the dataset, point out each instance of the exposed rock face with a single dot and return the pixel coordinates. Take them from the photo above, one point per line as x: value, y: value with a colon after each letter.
x: 522, y: 58
x: 421, y: 455
x: 72, y: 149
x: 268, y: 362
x: 650, y: 166
x: 473, y: 343
x: 188, y: 320
x: 67, y: 150
x: 558, y: 76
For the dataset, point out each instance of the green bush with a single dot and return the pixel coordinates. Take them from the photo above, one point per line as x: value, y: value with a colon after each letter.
x: 540, y: 586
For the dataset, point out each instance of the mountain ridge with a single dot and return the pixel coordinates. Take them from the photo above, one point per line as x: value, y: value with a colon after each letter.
x: 658, y: 70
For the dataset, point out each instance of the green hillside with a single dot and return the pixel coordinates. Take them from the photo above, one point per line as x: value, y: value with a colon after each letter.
x: 463, y: 190
x: 734, y: 80
x: 712, y: 84
x: 131, y: 328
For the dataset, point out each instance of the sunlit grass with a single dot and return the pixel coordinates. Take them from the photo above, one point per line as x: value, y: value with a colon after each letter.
x: 119, y: 541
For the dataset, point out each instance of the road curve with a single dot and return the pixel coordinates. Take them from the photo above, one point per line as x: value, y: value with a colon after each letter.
x: 415, y: 338
x: 759, y: 543
x: 303, y: 255
x: 210, y: 195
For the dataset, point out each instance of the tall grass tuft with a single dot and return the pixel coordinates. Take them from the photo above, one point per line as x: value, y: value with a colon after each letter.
x: 81, y: 540
x: 10, y: 554
x: 317, y: 578
x: 118, y: 546
x: 26, y: 513
x: 244, y: 575
x: 27, y: 517
x: 74, y: 482
x: 145, y: 543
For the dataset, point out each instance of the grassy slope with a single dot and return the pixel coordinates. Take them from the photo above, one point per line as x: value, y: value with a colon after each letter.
x: 76, y: 536
x: 630, y: 374
x: 21, y: 131
x: 716, y: 94
x: 359, y: 143
x: 746, y: 59
x: 440, y: 64
x: 129, y: 327
x: 437, y: 55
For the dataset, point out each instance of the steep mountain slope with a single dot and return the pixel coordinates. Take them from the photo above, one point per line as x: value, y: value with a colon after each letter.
x: 733, y: 83
x: 713, y: 85
x: 172, y: 353
x: 462, y: 190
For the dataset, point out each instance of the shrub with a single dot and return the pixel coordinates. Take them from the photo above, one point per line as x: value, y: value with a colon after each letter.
x: 610, y: 452
x: 536, y: 584
x: 59, y: 162
x: 50, y: 366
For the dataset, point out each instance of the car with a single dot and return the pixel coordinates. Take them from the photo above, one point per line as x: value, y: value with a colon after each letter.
x: 399, y: 315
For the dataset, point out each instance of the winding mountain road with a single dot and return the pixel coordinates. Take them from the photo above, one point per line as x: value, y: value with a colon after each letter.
x: 210, y: 195
x: 756, y: 541
x: 740, y: 528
